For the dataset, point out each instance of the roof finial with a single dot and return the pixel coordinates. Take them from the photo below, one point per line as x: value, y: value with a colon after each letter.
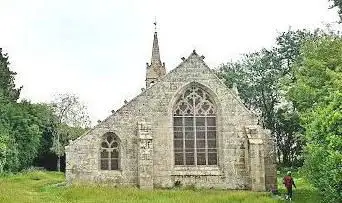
x: 155, y: 24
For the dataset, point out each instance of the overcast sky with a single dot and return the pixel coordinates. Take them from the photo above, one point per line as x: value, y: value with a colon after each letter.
x: 98, y: 49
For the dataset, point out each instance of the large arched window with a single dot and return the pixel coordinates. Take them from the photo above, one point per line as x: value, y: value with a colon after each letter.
x: 194, y: 122
x: 110, y: 148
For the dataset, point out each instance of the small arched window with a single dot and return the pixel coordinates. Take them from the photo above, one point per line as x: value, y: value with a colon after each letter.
x: 194, y: 125
x: 110, y: 152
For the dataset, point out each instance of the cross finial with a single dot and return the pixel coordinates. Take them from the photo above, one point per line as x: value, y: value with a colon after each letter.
x: 155, y: 24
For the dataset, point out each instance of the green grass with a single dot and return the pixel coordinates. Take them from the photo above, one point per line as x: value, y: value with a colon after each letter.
x: 48, y: 187
x: 304, y: 193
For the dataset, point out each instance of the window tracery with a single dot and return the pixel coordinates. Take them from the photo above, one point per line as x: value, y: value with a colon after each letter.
x: 110, y: 148
x: 194, y: 122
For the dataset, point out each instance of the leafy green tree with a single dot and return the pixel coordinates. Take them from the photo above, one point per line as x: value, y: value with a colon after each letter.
x: 289, y: 136
x: 317, y: 94
x: 290, y: 141
x: 264, y: 79
x: 4, y: 145
x: 67, y: 133
x: 25, y: 124
x: 48, y: 125
x: 288, y: 46
x: 7, y: 85
x: 28, y: 131
x: 323, y: 157
x: 22, y: 124
x: 317, y: 74
x: 257, y: 77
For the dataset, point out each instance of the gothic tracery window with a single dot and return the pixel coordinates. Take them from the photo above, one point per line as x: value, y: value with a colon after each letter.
x: 194, y: 122
x: 110, y: 148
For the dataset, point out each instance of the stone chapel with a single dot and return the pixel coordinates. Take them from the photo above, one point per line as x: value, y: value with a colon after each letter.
x: 185, y: 128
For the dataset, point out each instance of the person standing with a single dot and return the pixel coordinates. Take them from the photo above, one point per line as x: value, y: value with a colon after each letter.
x: 288, y: 182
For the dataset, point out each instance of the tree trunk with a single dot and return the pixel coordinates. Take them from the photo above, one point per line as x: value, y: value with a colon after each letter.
x: 278, y: 154
x: 59, y: 163
x: 58, y: 155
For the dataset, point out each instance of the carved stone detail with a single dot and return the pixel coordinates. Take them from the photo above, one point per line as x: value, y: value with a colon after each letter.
x: 145, y: 156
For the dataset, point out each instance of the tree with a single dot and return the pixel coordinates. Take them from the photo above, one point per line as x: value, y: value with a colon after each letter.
x: 257, y: 78
x: 7, y: 85
x: 316, y: 75
x: 262, y: 79
x: 289, y: 132
x: 337, y: 4
x: 5, y: 143
x: 289, y: 136
x: 72, y: 118
x: 21, y: 128
x: 24, y: 127
x: 323, y: 157
x: 288, y: 46
x: 317, y: 94
x: 48, y: 124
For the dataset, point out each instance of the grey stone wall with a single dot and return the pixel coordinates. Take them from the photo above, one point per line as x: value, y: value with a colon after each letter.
x: 236, y: 167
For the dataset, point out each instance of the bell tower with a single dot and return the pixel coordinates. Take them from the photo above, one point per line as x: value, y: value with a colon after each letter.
x: 156, y: 69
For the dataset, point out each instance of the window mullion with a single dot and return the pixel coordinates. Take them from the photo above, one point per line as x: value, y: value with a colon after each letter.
x: 106, y: 156
x: 109, y: 160
x: 118, y: 159
x: 189, y: 132
x: 183, y: 131
x: 194, y: 126
x: 206, y: 140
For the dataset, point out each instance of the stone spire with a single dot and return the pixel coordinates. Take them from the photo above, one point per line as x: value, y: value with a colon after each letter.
x: 156, y: 69
x: 155, y: 51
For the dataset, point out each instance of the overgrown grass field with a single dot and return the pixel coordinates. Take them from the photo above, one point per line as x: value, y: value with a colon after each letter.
x: 39, y: 187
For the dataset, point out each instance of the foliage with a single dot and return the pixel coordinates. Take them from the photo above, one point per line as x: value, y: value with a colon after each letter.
x: 288, y: 46
x: 318, y: 74
x: 70, y: 110
x: 27, y: 130
x: 7, y: 85
x: 263, y: 80
x: 66, y: 133
x: 296, y: 87
x: 338, y: 4
x: 324, y: 150
x: 22, y: 128
x: 40, y: 186
x: 317, y: 94
x: 72, y: 121
x: 258, y: 77
x: 255, y: 76
x: 288, y: 136
x: 26, y: 134
x: 48, y: 127
x: 5, y: 146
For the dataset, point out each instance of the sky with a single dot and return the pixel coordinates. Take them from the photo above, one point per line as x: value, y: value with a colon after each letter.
x: 98, y: 49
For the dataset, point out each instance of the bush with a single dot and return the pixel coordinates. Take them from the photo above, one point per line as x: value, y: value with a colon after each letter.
x: 323, y: 164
